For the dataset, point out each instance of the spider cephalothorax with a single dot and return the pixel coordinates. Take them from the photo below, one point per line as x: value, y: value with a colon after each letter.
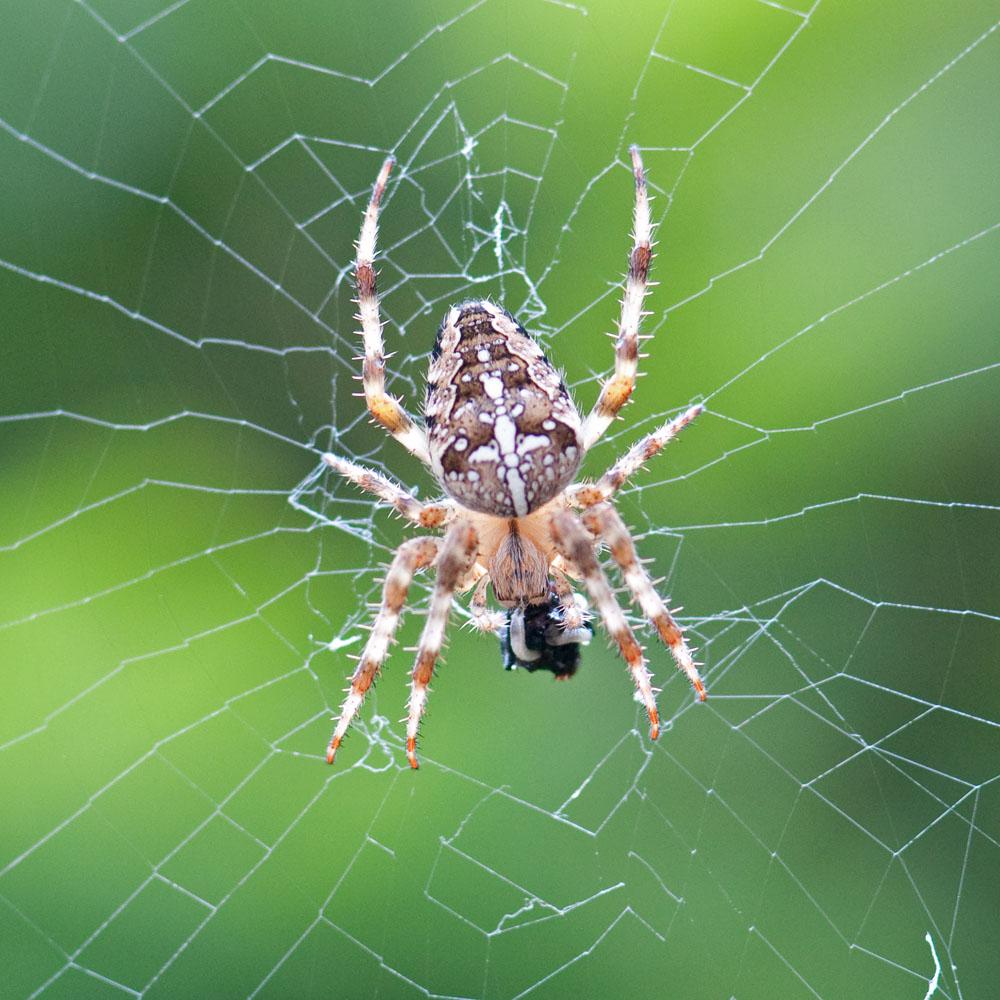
x: 504, y: 441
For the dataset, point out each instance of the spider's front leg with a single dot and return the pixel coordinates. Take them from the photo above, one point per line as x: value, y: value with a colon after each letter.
x: 574, y: 616
x: 411, y: 556
x: 455, y: 560
x: 483, y: 617
x: 605, y: 522
x: 576, y: 546
x: 385, y: 409
x: 617, y: 390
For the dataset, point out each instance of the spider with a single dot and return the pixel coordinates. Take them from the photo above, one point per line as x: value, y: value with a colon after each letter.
x: 503, y: 439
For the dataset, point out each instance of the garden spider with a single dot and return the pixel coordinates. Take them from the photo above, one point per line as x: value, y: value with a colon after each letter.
x: 504, y: 440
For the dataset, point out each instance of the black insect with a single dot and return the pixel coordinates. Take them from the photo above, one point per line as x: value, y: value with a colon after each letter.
x: 534, y: 639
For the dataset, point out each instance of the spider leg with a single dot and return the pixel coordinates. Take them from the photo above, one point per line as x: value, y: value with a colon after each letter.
x: 411, y: 556
x: 385, y: 409
x: 576, y: 546
x: 484, y: 619
x: 454, y: 561
x: 573, y: 615
x: 589, y: 494
x: 616, y: 391
x: 427, y: 515
x: 605, y: 522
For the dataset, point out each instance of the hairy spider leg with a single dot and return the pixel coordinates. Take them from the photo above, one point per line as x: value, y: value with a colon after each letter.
x: 606, y: 523
x: 411, y: 556
x: 616, y: 391
x: 577, y: 547
x: 455, y: 560
x: 385, y: 409
x: 588, y: 494
x: 483, y: 617
x: 427, y: 515
x: 574, y: 616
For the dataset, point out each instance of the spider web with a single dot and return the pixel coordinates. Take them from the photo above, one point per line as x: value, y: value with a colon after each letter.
x: 183, y: 584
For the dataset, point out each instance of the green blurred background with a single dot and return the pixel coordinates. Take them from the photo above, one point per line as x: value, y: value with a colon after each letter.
x: 182, y: 184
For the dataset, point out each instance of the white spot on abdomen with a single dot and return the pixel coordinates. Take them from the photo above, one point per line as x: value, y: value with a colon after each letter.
x: 492, y: 386
x: 515, y: 484
x: 532, y: 441
x: 505, y: 431
x: 484, y: 453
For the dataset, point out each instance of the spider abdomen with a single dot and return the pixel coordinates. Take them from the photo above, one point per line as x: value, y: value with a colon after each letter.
x: 504, y: 434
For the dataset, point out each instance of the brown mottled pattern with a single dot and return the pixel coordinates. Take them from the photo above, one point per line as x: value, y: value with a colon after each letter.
x: 504, y: 433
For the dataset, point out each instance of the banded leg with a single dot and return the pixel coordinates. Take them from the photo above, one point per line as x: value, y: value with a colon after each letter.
x: 577, y: 548
x: 616, y: 391
x: 574, y: 616
x: 427, y: 515
x: 456, y: 558
x: 605, y: 522
x: 483, y: 618
x: 588, y: 494
x: 411, y: 556
x: 385, y: 409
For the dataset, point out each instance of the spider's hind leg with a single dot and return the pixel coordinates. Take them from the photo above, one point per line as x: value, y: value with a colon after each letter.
x: 385, y: 409
x: 617, y: 390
